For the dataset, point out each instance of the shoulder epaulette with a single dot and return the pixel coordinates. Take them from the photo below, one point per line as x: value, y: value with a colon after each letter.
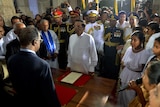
x: 99, y: 22
x: 68, y: 23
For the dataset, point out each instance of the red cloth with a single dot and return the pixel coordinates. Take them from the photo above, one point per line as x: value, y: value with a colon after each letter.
x: 65, y: 94
x: 80, y: 82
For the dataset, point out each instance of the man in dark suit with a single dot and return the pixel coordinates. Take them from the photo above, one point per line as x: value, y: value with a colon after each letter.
x: 30, y: 75
x: 14, y: 46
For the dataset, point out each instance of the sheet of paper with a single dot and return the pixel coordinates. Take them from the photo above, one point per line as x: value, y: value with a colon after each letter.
x: 71, y: 77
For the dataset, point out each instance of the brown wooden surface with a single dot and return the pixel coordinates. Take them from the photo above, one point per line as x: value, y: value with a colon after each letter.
x: 93, y: 94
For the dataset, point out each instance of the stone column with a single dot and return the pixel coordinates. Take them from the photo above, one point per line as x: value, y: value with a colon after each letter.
x: 7, y: 10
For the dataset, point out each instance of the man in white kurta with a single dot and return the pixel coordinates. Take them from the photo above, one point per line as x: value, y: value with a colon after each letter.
x: 82, y: 54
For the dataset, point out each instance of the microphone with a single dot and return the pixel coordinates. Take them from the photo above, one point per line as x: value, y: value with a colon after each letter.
x: 138, y: 81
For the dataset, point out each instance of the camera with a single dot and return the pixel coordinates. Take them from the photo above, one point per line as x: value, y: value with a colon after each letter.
x: 139, y: 81
x: 63, y: 5
x: 94, y: 6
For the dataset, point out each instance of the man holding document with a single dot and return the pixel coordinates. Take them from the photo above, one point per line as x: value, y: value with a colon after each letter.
x: 82, y: 54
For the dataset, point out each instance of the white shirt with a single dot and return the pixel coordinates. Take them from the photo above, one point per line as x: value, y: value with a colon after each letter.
x: 133, y: 62
x: 97, y: 31
x: 82, y: 55
x: 123, y: 25
x: 2, y: 48
x: 10, y: 36
x: 150, y: 43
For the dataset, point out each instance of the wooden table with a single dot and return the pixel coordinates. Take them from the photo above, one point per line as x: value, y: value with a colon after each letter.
x: 93, y: 94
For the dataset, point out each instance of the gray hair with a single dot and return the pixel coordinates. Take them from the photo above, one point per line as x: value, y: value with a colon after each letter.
x: 28, y: 35
x: 43, y: 20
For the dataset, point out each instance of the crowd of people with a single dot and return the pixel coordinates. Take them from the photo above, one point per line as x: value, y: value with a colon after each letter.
x: 122, y: 47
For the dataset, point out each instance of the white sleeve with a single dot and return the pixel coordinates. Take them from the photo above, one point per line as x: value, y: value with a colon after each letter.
x: 93, y: 54
x: 70, y: 8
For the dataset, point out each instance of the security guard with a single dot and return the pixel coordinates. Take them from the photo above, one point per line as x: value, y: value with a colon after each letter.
x: 60, y: 28
x: 113, y: 44
x: 96, y: 29
x: 74, y: 15
x: 104, y: 18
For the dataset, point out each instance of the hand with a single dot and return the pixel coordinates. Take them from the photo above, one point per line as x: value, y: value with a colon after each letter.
x: 119, y: 47
x: 132, y: 85
x: 91, y: 73
x: 55, y: 55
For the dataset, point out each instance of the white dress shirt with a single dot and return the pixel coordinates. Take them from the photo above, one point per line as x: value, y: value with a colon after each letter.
x: 82, y: 55
x: 150, y: 43
x: 97, y: 31
x: 2, y: 48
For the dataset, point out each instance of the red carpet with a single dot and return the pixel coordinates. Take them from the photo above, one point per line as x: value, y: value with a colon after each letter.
x: 65, y: 94
x: 80, y: 82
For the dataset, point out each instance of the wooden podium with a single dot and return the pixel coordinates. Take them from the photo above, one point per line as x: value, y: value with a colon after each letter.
x: 94, y: 93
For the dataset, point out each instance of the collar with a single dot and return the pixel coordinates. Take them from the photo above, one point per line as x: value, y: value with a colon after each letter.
x: 27, y: 50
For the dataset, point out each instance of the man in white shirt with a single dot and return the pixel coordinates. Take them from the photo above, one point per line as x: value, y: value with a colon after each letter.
x: 11, y: 35
x: 82, y: 54
x: 122, y: 23
x: 2, y: 49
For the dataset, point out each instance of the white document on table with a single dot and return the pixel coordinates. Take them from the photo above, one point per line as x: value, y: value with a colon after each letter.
x: 71, y: 77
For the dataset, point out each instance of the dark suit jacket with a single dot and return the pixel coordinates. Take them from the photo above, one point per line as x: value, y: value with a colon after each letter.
x: 12, y: 48
x: 32, y: 80
x: 43, y: 51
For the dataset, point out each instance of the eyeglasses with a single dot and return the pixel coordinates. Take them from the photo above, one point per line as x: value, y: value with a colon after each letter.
x: 41, y: 40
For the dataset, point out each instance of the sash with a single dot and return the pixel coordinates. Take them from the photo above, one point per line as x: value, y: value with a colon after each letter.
x: 49, y: 44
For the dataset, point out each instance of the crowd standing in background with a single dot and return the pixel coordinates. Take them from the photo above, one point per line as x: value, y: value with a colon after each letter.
x: 91, y: 41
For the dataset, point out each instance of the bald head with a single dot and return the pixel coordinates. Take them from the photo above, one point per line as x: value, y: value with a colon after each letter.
x: 18, y: 26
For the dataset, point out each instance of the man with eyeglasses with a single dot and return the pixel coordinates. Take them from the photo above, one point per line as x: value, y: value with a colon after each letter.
x: 30, y: 75
x: 14, y: 46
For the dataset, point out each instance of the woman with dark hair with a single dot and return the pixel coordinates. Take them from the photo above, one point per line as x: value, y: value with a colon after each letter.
x: 154, y: 97
x: 132, y: 62
x: 143, y: 24
x: 150, y: 79
x: 153, y: 32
